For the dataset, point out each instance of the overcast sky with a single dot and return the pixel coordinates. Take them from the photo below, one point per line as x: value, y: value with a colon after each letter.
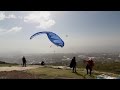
x: 82, y: 31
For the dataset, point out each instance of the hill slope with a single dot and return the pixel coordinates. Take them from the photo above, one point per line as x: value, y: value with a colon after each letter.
x: 56, y: 72
x: 50, y: 72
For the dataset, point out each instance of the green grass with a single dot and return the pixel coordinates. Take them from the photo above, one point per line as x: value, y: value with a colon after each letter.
x: 47, y: 73
x: 7, y: 65
x: 110, y: 67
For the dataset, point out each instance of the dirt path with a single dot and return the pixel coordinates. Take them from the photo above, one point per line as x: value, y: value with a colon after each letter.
x: 18, y: 72
x: 19, y: 68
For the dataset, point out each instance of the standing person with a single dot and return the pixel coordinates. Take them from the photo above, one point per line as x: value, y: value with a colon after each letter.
x: 89, y: 65
x: 24, y: 61
x: 73, y: 64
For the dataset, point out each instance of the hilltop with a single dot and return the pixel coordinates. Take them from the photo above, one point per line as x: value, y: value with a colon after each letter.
x: 47, y: 72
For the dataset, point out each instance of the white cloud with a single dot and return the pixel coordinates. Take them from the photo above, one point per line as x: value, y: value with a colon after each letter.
x: 3, y: 16
x: 2, y: 30
x: 11, y: 16
x: 13, y: 29
x: 20, y: 17
x: 42, y: 18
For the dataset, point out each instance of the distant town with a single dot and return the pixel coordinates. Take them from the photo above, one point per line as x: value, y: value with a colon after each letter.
x: 61, y: 57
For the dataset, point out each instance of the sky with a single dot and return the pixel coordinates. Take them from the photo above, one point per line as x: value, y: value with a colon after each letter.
x: 81, y: 31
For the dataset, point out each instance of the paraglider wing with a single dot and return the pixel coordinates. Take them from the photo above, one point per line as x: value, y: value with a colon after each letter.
x: 36, y: 34
x: 54, y: 38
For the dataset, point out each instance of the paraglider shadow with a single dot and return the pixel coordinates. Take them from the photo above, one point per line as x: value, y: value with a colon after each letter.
x: 80, y: 74
x: 87, y: 75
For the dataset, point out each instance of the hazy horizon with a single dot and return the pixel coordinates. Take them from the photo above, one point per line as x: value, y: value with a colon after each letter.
x: 82, y: 31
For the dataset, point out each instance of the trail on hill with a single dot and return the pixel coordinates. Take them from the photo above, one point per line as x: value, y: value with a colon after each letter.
x: 18, y: 68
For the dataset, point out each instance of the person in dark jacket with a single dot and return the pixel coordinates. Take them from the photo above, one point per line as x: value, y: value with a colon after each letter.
x: 42, y: 63
x: 24, y: 61
x: 73, y: 64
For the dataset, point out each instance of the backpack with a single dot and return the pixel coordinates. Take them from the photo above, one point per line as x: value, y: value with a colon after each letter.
x: 71, y: 64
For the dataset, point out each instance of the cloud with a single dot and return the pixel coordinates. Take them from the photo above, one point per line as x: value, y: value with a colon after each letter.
x: 20, y: 17
x: 42, y: 18
x: 11, y: 16
x: 3, y: 16
x: 2, y: 30
x: 13, y: 29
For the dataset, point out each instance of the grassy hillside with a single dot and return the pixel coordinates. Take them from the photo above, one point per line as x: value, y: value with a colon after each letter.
x: 48, y: 72
x: 51, y: 73
x: 3, y: 64
x: 113, y: 67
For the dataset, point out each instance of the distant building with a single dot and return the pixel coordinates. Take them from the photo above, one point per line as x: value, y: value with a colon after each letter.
x: 82, y: 56
x: 91, y: 58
